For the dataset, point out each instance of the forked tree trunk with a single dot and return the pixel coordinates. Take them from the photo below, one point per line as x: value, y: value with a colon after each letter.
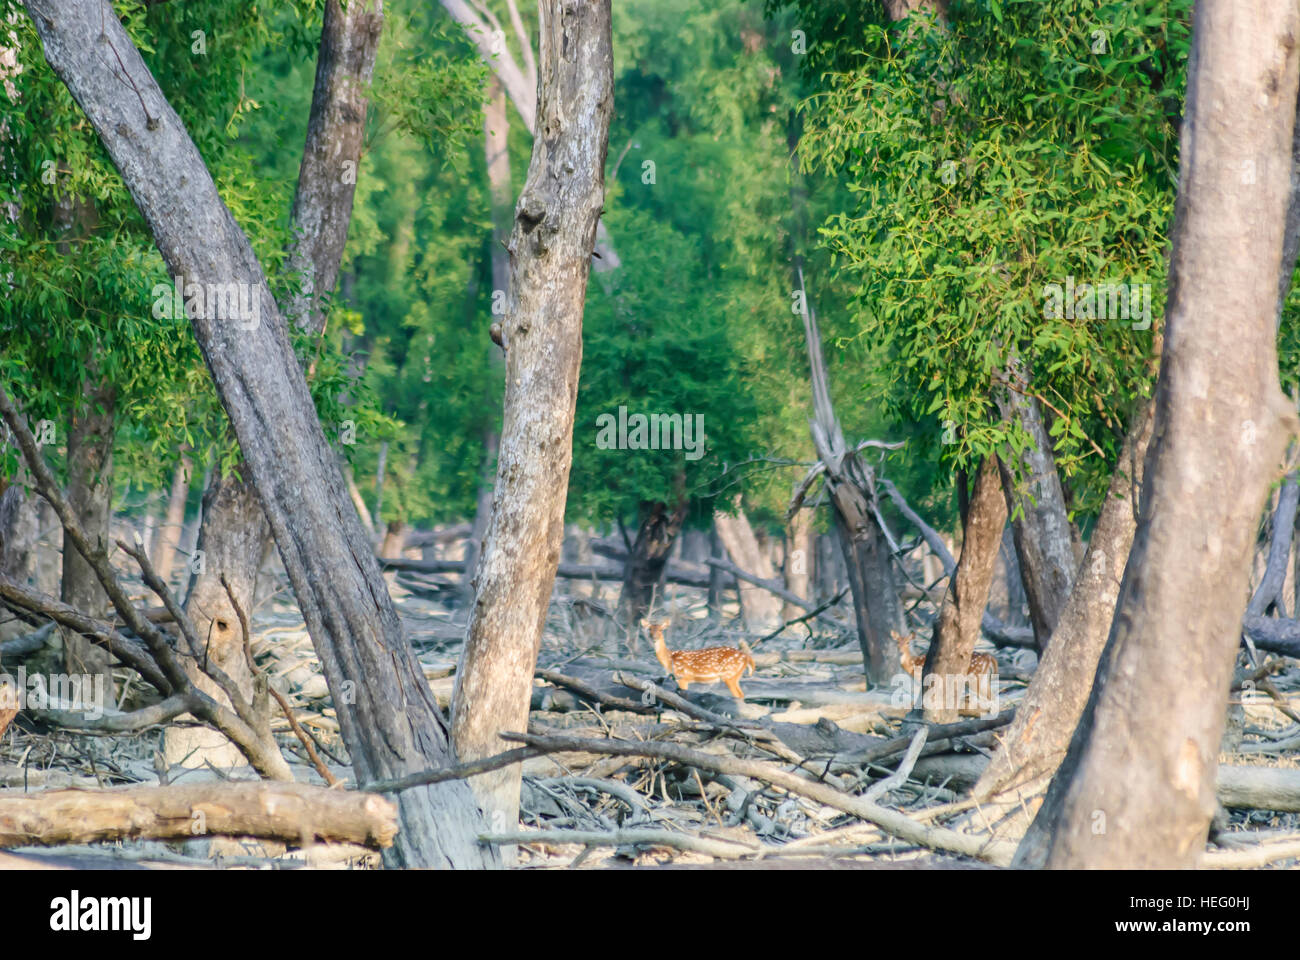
x: 169, y: 537
x: 958, y: 626
x: 1137, y: 786
x: 851, y: 486
x: 643, y: 571
x: 90, y: 495
x: 1040, y: 524
x: 388, y: 717
x: 1046, y: 716
x: 520, y: 84
x: 550, y: 256
x: 760, y: 609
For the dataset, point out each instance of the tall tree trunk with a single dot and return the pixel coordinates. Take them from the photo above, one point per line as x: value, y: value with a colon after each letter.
x: 327, y: 176
x: 19, y: 531
x: 550, y: 256
x: 519, y: 84
x: 394, y: 539
x: 231, y: 538
x: 496, y: 150
x: 90, y: 495
x: 760, y: 609
x: 798, y: 559
x: 643, y: 571
x: 958, y: 626
x: 1040, y: 524
x: 1036, y: 741
x: 1137, y: 786
x: 169, y: 537
x: 387, y: 714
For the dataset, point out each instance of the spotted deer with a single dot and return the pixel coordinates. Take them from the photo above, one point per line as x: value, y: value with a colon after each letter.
x: 981, y: 664
x: 702, y: 666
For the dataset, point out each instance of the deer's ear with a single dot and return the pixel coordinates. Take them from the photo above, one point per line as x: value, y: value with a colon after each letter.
x: 645, y: 624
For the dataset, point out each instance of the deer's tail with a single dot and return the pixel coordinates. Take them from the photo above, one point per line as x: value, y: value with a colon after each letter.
x: 749, y: 655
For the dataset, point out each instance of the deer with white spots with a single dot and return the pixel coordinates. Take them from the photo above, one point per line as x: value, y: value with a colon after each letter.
x: 702, y: 666
x: 982, y: 665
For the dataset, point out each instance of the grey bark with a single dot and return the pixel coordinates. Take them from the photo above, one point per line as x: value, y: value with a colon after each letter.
x: 851, y: 488
x: 327, y: 176
x: 387, y: 714
x: 487, y: 35
x: 1269, y: 591
x: 1037, y: 739
x: 1040, y: 524
x: 760, y: 608
x: 231, y: 540
x: 1136, y: 788
x: 550, y: 257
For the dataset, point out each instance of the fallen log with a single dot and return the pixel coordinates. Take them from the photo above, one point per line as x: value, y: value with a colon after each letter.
x: 1276, y: 636
x: 1259, y: 788
x: 294, y: 812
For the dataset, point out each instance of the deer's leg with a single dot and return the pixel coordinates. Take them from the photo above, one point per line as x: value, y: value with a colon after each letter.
x: 734, y: 687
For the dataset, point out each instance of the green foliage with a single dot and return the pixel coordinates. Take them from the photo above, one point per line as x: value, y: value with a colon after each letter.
x: 987, y: 160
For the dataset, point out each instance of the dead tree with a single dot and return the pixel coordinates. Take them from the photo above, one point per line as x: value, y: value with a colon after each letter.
x: 851, y: 486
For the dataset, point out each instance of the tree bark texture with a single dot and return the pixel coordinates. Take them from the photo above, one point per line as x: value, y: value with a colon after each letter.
x: 387, y: 714
x: 1036, y: 741
x: 958, y: 626
x: 550, y: 257
x: 1136, y: 788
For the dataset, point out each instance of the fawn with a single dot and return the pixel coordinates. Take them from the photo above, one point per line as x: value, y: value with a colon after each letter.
x: 981, y: 664
x: 702, y: 666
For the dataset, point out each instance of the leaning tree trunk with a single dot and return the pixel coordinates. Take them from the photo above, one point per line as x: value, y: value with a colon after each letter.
x: 550, y: 256
x: 1040, y: 525
x: 1046, y: 716
x: 643, y: 571
x: 1137, y: 786
x: 958, y: 627
x: 90, y: 495
x: 322, y: 210
x: 496, y: 147
x: 388, y: 717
